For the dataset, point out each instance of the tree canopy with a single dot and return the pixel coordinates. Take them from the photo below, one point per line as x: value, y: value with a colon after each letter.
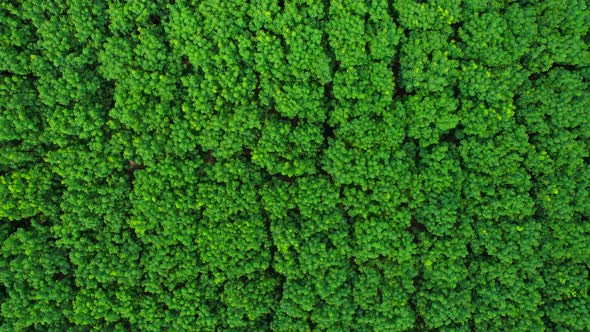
x: 295, y: 165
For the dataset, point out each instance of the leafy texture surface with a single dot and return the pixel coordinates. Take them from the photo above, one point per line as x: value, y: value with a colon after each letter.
x: 294, y: 165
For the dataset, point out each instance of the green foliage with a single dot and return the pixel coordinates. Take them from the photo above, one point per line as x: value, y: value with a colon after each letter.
x: 296, y: 165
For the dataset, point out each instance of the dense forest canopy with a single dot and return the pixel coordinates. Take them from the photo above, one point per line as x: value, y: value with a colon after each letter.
x: 294, y: 165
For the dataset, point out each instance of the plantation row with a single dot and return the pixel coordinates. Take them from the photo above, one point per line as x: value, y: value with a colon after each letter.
x: 295, y: 165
